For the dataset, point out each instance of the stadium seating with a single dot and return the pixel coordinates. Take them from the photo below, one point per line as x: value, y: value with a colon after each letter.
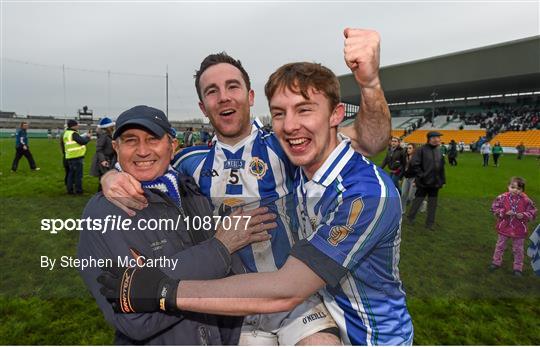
x: 404, y: 122
x: 467, y: 136
x: 530, y: 138
x: 439, y: 122
x: 397, y: 133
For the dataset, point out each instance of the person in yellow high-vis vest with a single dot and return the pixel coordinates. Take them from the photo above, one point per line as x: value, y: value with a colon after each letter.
x: 74, y: 146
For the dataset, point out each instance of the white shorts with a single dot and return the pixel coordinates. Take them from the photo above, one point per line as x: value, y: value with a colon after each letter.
x: 287, y: 328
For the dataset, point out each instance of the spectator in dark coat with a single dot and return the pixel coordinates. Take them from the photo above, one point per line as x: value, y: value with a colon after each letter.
x: 497, y: 151
x: 452, y: 153
x: 105, y: 156
x: 408, y: 187
x: 395, y: 159
x: 520, y: 150
x: 428, y: 167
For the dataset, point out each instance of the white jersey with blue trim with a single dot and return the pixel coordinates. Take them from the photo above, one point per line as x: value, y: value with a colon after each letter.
x: 350, y: 211
x: 254, y: 172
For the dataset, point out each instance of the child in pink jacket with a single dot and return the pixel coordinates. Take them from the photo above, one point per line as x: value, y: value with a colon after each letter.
x: 513, y: 210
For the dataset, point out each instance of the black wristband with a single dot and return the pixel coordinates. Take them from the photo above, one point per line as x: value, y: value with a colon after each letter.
x: 167, y: 295
x: 147, y: 290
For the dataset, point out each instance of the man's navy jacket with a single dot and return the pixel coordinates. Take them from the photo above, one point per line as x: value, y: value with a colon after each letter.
x: 200, y: 257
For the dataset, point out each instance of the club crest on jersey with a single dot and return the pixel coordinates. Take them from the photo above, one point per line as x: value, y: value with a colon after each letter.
x: 338, y: 234
x: 234, y: 164
x: 258, y: 168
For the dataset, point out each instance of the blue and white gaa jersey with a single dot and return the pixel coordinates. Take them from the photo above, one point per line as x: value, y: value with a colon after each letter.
x: 350, y: 216
x: 254, y: 172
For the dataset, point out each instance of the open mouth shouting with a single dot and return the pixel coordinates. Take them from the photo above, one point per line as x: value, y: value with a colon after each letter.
x: 227, y: 112
x: 298, y: 145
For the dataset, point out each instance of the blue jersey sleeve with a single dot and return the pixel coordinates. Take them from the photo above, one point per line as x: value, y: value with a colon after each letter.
x: 362, y: 218
x: 188, y: 159
x: 273, y: 143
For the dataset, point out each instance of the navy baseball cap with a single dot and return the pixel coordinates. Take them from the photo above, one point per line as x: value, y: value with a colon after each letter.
x: 433, y: 134
x: 149, y: 118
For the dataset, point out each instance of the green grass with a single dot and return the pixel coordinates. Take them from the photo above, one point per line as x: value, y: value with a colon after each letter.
x: 452, y: 297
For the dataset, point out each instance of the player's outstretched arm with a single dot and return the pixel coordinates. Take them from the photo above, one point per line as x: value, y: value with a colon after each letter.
x: 372, y: 124
x: 150, y: 290
x: 265, y: 292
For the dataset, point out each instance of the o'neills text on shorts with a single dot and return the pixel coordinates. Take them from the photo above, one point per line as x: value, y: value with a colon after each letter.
x: 92, y: 262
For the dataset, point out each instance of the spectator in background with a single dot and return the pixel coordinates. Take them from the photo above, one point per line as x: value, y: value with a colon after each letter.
x: 444, y: 150
x: 497, y: 152
x: 408, y: 187
x: 211, y: 137
x: 428, y: 167
x: 105, y: 156
x: 204, y: 135
x: 485, y: 150
x: 188, y: 137
x: 74, y: 146
x: 461, y: 146
x: 395, y: 160
x: 513, y: 210
x: 452, y: 153
x: 520, y: 150
x: 22, y: 149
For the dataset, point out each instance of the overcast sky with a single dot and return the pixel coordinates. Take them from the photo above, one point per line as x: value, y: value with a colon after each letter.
x: 136, y: 41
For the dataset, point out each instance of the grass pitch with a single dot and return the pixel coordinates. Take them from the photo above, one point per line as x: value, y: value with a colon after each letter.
x: 452, y: 297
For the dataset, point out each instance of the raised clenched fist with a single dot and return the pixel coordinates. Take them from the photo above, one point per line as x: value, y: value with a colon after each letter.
x: 362, y: 55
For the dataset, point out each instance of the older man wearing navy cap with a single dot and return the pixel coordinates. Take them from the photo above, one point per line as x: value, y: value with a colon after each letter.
x: 428, y: 167
x: 144, y: 143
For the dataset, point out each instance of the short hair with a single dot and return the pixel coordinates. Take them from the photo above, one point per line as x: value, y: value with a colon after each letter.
x: 219, y: 58
x: 520, y: 181
x: 299, y: 77
x: 22, y: 123
x: 395, y: 137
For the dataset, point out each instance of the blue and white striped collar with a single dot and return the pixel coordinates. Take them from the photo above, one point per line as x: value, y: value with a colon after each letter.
x: 334, y: 164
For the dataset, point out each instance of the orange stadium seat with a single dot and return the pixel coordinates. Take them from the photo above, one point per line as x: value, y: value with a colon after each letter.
x: 467, y: 136
x: 530, y: 138
x: 398, y: 133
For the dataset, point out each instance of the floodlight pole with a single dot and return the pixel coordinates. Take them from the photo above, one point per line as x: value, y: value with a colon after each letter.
x: 64, y: 87
x: 433, y: 96
x: 109, y: 93
x: 167, y: 92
